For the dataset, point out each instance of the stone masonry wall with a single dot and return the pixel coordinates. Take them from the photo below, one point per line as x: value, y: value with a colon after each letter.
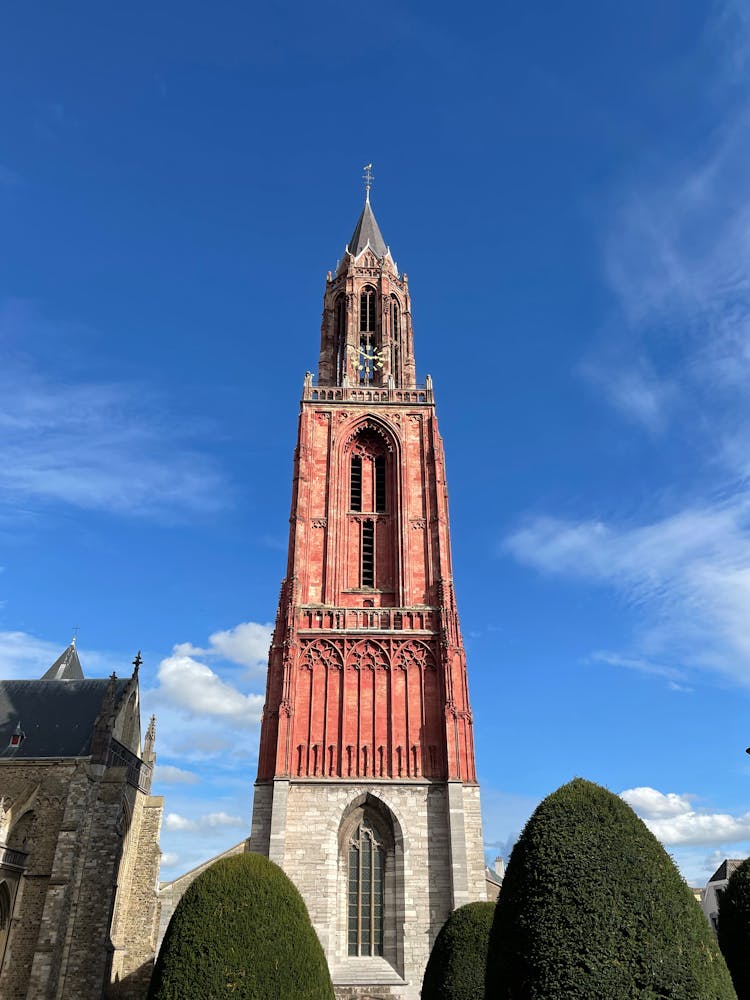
x: 474, y: 843
x: 42, y: 788
x: 309, y: 853
x: 136, y: 919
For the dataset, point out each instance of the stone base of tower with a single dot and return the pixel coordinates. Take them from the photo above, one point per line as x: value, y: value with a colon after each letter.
x: 434, y: 862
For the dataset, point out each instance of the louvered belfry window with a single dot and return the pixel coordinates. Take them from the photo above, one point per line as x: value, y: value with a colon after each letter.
x: 365, y: 892
x: 368, y: 554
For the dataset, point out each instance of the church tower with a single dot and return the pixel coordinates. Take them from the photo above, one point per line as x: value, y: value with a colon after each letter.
x: 366, y: 792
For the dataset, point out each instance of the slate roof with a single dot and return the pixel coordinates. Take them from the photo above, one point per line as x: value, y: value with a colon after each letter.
x: 367, y: 231
x: 57, y: 716
x: 727, y: 867
x: 67, y: 667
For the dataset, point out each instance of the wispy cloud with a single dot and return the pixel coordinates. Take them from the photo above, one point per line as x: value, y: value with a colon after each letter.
x: 168, y: 774
x: 113, y: 446
x: 687, y: 574
x: 675, y: 359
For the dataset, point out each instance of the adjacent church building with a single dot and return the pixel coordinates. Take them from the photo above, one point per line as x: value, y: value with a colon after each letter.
x: 366, y: 793
x: 79, y: 837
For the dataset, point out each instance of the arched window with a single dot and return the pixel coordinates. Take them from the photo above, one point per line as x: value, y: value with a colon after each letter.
x: 4, y: 906
x: 355, y: 485
x: 366, y: 891
x: 370, y: 360
x: 380, y: 484
x: 367, y: 309
x: 368, y: 554
x: 396, y: 339
x: 340, y: 337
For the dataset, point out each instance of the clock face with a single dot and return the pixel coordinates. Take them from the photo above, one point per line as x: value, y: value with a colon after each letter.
x: 370, y: 358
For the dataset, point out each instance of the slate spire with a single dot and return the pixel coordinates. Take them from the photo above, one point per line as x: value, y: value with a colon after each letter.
x: 367, y: 231
x: 67, y: 667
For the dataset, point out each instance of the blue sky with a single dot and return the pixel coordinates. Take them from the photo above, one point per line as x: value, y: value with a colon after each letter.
x: 567, y: 188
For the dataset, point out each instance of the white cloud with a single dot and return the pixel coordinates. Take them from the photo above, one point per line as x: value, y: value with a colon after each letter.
x: 175, y: 822
x: 673, y: 819
x: 246, y: 643
x: 648, y: 802
x: 186, y: 683
x: 93, y: 444
x: 169, y: 859
x: 168, y: 774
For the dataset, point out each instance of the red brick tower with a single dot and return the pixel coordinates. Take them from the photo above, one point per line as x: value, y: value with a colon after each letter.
x: 366, y: 791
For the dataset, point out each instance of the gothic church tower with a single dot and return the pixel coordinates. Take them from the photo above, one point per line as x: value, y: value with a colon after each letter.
x: 366, y: 792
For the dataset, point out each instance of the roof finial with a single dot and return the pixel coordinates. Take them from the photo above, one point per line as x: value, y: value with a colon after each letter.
x: 75, y: 636
x: 368, y: 177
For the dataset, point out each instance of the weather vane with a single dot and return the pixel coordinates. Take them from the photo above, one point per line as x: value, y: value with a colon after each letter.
x: 368, y: 178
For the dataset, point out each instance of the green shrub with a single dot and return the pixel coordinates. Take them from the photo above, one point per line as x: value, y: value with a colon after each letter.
x: 458, y: 960
x: 593, y: 907
x: 734, y: 928
x: 241, y: 931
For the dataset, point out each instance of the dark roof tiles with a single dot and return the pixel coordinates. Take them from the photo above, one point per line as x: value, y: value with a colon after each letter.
x: 56, y: 716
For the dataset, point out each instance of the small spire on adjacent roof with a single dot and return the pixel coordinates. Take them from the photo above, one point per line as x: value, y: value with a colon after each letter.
x: 67, y: 667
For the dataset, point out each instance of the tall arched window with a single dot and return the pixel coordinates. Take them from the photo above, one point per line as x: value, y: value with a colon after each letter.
x: 396, y: 339
x: 340, y: 337
x: 366, y: 890
x: 355, y: 484
x: 4, y: 906
x: 369, y: 357
x: 368, y: 553
x: 367, y: 310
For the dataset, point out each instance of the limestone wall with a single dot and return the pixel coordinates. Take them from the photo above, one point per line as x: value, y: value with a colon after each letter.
x: 306, y: 821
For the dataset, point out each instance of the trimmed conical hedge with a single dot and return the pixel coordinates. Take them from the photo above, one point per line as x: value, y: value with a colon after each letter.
x: 241, y: 931
x: 593, y: 907
x: 734, y: 928
x: 458, y: 960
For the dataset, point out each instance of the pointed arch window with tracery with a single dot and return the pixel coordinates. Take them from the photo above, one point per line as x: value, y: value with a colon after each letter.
x: 366, y: 886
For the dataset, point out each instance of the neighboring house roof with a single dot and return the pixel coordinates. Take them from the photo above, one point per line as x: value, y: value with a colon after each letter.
x: 367, y: 231
x: 491, y: 876
x: 56, y: 716
x: 725, y: 869
x: 67, y: 667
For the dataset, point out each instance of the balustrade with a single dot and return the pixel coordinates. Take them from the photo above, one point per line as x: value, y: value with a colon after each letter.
x: 367, y: 394
x: 368, y: 619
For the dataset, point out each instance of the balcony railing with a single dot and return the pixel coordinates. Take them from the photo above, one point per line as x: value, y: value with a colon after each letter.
x: 138, y: 772
x: 12, y: 858
x: 368, y: 619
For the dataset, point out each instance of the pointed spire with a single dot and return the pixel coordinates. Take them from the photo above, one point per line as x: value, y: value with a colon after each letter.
x: 67, y: 667
x: 150, y: 740
x: 367, y: 232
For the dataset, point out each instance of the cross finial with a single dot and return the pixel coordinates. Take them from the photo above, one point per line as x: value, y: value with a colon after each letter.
x: 368, y: 177
x: 138, y: 660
